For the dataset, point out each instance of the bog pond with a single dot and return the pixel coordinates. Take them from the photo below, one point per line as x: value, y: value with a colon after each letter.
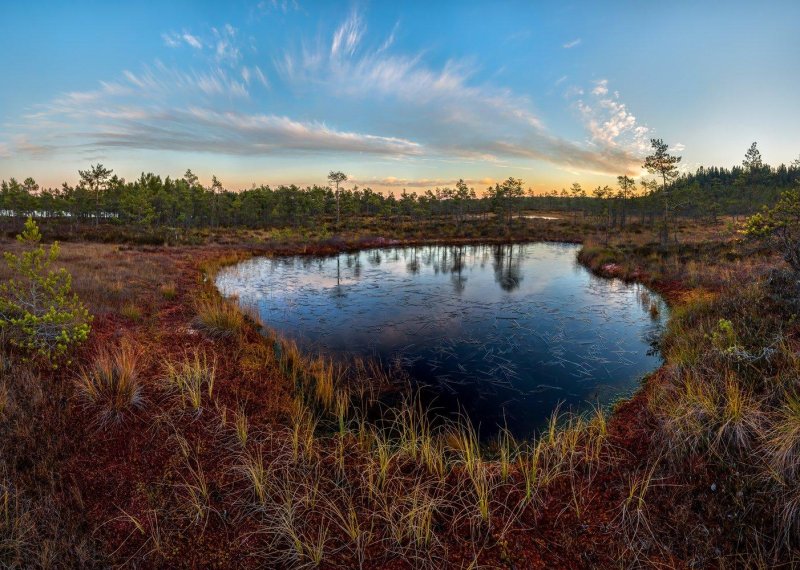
x: 502, y: 333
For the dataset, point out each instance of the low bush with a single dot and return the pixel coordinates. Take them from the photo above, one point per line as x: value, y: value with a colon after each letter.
x: 39, y: 314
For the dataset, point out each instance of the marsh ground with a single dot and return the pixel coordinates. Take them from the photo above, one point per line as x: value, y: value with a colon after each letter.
x: 239, y: 451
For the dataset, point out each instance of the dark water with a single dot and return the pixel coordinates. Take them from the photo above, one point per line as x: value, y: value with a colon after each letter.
x: 504, y: 332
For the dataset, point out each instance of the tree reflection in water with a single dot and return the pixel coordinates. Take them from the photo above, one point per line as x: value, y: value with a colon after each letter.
x: 507, y: 267
x: 505, y: 332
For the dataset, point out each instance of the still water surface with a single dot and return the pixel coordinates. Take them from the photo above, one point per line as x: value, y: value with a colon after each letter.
x: 505, y: 333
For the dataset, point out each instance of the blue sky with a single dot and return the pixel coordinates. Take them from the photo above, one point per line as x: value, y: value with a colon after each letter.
x: 397, y: 95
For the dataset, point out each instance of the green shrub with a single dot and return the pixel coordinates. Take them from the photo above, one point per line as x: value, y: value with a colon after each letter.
x: 724, y: 337
x: 38, y: 311
x: 780, y: 226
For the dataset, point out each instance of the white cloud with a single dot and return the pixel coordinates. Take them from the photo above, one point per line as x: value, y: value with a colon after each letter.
x: 205, y: 130
x: 416, y: 111
x: 610, y: 124
x: 21, y: 144
x: 284, y: 6
x: 573, y: 91
x: 241, y: 134
x: 226, y: 48
x: 163, y: 81
x: 389, y: 41
x: 346, y: 38
x: 395, y: 182
x: 175, y: 40
x: 571, y: 44
x: 600, y: 87
x: 149, y: 110
x: 171, y: 40
x: 192, y: 40
x: 260, y: 76
x: 456, y: 117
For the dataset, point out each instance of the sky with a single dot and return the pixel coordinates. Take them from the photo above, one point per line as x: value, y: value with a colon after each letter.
x: 395, y: 94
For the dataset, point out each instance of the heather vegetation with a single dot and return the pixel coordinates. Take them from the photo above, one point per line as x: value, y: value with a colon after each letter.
x: 187, y: 433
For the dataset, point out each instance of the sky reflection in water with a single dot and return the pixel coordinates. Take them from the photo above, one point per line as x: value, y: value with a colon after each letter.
x: 505, y: 332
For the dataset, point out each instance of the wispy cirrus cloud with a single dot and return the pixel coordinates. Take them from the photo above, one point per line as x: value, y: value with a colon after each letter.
x: 283, y: 6
x: 240, y: 134
x: 226, y: 48
x: 445, y: 107
x: 254, y: 74
x: 573, y: 43
x: 162, y: 81
x: 426, y: 112
x: 152, y: 109
x: 347, y: 35
x: 176, y: 40
x: 22, y: 144
x: 223, y: 41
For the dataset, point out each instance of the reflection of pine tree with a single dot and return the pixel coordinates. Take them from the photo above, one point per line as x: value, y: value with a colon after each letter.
x: 456, y: 270
x: 413, y: 265
x: 339, y: 291
x: 507, y: 267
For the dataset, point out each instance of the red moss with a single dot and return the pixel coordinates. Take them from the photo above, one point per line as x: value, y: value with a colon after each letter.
x: 128, y: 470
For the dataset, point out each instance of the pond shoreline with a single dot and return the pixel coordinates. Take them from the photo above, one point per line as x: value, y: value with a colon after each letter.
x: 253, y: 378
x: 545, y: 311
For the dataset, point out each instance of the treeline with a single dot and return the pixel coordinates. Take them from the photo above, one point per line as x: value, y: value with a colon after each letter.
x: 153, y: 201
x: 184, y: 202
x: 101, y: 197
x: 707, y: 192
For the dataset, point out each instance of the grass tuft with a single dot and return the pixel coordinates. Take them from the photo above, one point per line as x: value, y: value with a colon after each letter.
x: 191, y: 378
x: 111, y: 383
x: 782, y: 441
x: 168, y: 290
x: 132, y: 312
x: 219, y: 319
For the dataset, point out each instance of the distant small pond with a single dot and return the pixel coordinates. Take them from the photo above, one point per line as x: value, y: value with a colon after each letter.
x: 505, y: 333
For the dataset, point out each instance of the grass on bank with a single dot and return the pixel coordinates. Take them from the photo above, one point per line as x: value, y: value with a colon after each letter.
x: 414, y: 485
x: 191, y: 378
x: 219, y: 319
x: 319, y: 485
x: 111, y: 384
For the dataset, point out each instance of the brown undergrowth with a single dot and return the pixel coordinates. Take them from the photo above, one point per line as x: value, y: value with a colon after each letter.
x: 189, y: 435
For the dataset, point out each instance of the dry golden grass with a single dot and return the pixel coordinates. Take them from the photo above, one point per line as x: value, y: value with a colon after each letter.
x: 192, y: 379
x: 107, y: 276
x: 169, y: 290
x: 218, y: 318
x: 316, y: 480
x: 111, y: 384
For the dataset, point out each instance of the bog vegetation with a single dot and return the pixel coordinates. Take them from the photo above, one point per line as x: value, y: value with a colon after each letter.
x: 39, y: 314
x: 181, y: 203
x: 187, y: 434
